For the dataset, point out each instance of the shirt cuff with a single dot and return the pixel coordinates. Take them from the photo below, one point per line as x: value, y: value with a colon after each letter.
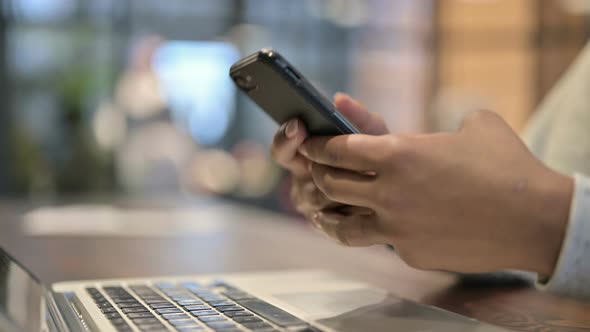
x: 572, y: 272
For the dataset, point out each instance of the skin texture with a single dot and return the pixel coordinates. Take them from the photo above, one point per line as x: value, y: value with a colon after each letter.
x: 307, y: 197
x: 475, y: 200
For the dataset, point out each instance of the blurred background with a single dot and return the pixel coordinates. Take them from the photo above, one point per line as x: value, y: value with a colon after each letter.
x: 132, y: 97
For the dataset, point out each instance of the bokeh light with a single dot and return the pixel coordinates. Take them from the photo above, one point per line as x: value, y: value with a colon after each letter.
x: 258, y: 174
x: 199, y: 93
x: 212, y: 171
x: 44, y: 10
x: 153, y: 158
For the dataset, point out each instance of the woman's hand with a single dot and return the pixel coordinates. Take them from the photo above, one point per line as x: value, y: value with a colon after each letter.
x: 307, y: 198
x: 471, y: 201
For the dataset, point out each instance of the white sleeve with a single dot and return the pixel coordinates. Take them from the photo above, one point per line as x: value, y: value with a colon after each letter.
x: 572, y: 272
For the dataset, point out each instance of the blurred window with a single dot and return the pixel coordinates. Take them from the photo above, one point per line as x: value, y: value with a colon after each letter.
x: 197, y: 88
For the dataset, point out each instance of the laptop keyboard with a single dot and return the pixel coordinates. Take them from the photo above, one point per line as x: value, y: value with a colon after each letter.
x: 191, y: 306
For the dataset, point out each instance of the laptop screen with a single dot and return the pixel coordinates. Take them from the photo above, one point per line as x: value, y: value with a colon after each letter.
x: 21, y: 296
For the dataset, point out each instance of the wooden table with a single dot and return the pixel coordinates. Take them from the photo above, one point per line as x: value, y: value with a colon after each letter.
x: 249, y: 239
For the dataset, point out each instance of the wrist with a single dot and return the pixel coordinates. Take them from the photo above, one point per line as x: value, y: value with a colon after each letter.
x: 550, y: 219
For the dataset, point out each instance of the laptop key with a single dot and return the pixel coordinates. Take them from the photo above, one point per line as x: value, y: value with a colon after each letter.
x: 189, y: 302
x: 221, y: 325
x: 271, y: 313
x: 257, y: 326
x: 107, y: 310
x: 130, y: 310
x: 221, y: 303
x: 183, y: 297
x: 153, y: 328
x: 162, y: 305
x: 238, y: 314
x: 104, y: 304
x: 112, y: 315
x: 99, y: 299
x: 204, y: 313
x: 140, y: 315
x: 247, y: 319
x: 148, y: 324
x: 118, y: 321
x: 162, y: 301
x: 152, y: 298
x: 183, y: 322
x: 196, y: 307
x: 153, y: 320
x: 232, y: 308
x: 129, y: 305
x: 213, y: 319
x: 191, y: 329
x: 212, y: 298
x: 124, y: 301
x: 169, y: 311
x: 117, y: 298
x: 175, y: 316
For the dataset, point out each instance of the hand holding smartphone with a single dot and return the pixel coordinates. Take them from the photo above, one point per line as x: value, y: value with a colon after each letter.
x: 283, y: 93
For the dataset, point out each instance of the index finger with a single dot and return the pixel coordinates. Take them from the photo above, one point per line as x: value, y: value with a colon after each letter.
x: 353, y: 152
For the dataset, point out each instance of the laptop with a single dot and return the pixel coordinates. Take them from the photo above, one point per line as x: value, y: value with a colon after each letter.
x: 302, y: 301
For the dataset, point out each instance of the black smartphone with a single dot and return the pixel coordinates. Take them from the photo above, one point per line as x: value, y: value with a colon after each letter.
x: 283, y: 93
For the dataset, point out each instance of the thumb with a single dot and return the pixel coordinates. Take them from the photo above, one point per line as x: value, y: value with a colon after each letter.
x: 369, y: 123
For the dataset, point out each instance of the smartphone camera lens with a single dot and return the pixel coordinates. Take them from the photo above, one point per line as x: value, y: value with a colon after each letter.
x: 246, y: 83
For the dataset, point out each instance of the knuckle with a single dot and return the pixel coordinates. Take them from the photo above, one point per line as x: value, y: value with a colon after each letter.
x: 395, y: 149
x: 400, y: 148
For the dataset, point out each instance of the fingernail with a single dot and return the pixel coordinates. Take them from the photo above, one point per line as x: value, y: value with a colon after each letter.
x: 340, y: 94
x: 291, y: 129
